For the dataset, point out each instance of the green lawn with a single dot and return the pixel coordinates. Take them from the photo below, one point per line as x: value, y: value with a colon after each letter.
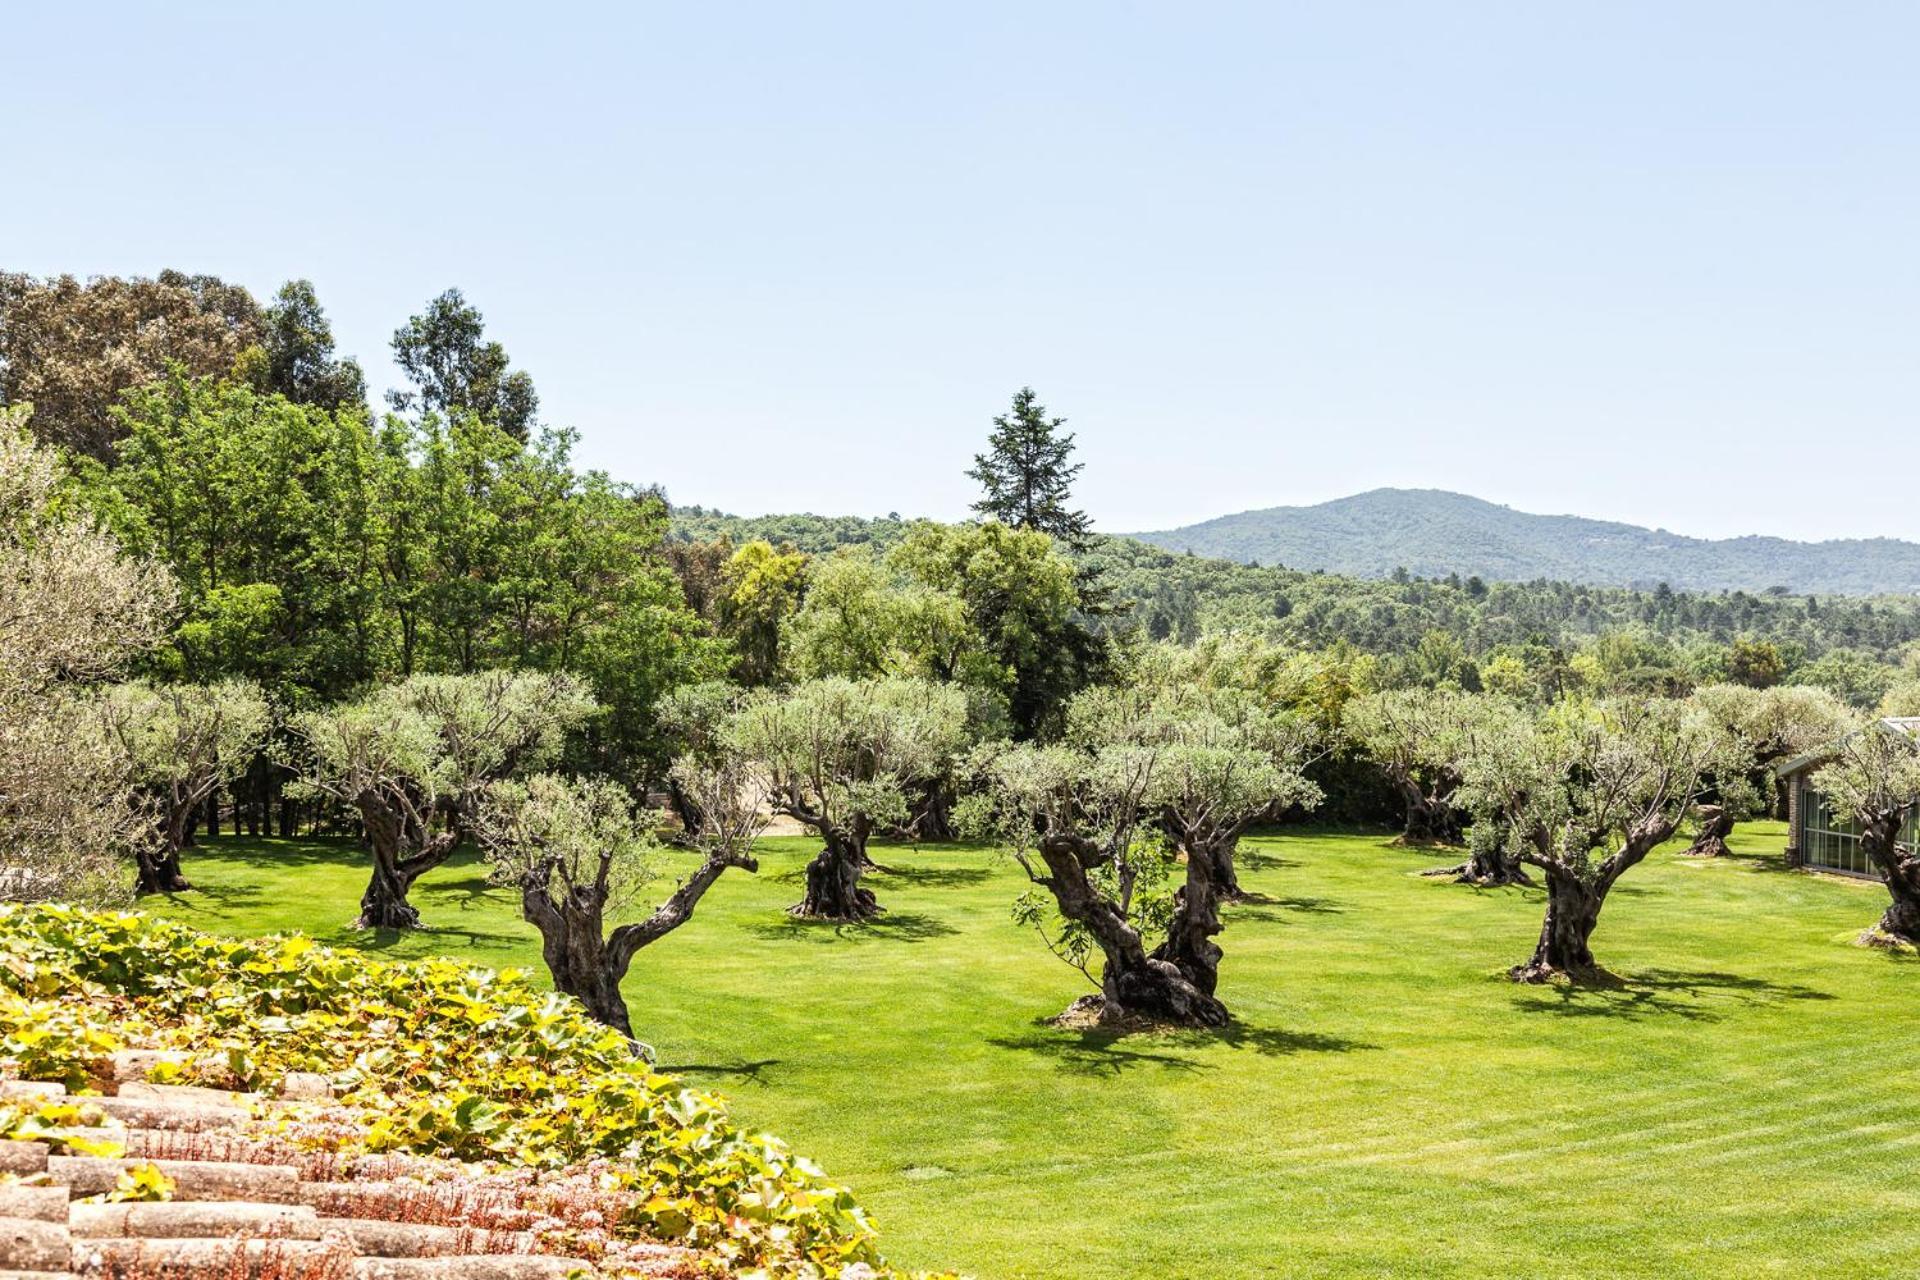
x: 1745, y: 1103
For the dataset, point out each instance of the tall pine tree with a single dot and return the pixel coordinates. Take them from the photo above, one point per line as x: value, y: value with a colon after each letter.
x: 1027, y: 475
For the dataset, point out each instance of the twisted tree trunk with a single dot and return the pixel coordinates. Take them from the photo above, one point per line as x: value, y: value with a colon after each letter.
x: 1899, y: 926
x: 1490, y: 863
x: 1573, y: 909
x: 932, y: 815
x: 1574, y: 899
x: 577, y: 957
x: 693, y: 819
x: 1431, y: 818
x: 1716, y: 824
x: 1226, y: 872
x: 1190, y: 945
x: 390, y: 835
x: 159, y: 867
x: 590, y: 965
x: 834, y: 891
x: 159, y: 872
x: 1132, y: 983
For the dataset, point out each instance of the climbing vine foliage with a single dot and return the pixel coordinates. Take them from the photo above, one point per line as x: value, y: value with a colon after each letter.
x: 444, y: 1059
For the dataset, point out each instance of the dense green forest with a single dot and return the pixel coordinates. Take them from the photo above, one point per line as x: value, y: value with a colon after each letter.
x: 1430, y: 532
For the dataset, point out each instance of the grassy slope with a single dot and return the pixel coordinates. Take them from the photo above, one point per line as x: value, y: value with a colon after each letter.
x: 1744, y: 1105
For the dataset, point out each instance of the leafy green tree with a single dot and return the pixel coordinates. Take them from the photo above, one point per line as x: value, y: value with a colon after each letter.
x: 1173, y: 764
x: 581, y: 854
x: 1227, y: 761
x: 1237, y: 750
x: 1027, y: 473
x: 1075, y: 819
x: 183, y: 741
x: 414, y: 759
x: 1874, y: 780
x: 1417, y: 737
x: 445, y: 354
x: 1608, y: 784
x: 862, y: 618
x: 844, y: 757
x: 297, y: 355
x: 1020, y: 597
x: 1852, y: 675
x: 1758, y: 664
x: 1764, y: 726
x: 262, y: 509
x: 75, y: 610
x: 763, y: 588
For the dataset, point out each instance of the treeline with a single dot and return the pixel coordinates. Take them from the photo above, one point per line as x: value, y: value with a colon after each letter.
x: 1537, y: 636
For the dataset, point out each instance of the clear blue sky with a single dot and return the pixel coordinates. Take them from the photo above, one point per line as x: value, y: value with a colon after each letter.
x: 1650, y: 261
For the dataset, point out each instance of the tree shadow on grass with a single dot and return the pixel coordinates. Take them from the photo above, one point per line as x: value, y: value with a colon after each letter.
x: 273, y: 851
x: 1255, y: 860
x: 464, y: 893
x: 1094, y: 1052
x: 740, y: 1069
x: 1269, y: 909
x: 1103, y: 1051
x: 386, y: 939
x: 936, y: 877
x: 220, y: 897
x: 1768, y: 863
x: 1690, y: 995
x: 889, y: 926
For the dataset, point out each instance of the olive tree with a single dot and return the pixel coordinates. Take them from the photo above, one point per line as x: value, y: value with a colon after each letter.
x: 1149, y: 778
x: 1415, y: 736
x: 1241, y: 751
x: 581, y: 855
x: 843, y: 757
x: 1497, y: 757
x: 1075, y: 819
x: 1610, y: 783
x: 691, y: 718
x: 182, y: 741
x: 74, y: 608
x: 1773, y: 724
x: 1874, y: 780
x: 1226, y: 761
x: 413, y: 759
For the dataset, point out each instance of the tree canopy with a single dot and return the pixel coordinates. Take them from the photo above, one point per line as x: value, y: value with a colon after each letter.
x: 1027, y: 475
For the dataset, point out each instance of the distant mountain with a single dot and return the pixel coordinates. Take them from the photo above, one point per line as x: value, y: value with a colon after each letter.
x: 1431, y: 533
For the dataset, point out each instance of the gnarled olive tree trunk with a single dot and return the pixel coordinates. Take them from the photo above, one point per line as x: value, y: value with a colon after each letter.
x: 1573, y: 909
x: 403, y: 851
x: 932, y: 812
x: 158, y: 865
x: 1880, y: 838
x: 1223, y: 866
x: 158, y: 871
x: 834, y: 891
x: 1716, y: 824
x: 589, y: 964
x: 1132, y: 983
x: 1575, y: 894
x: 1431, y: 817
x: 1490, y: 863
x: 1190, y: 945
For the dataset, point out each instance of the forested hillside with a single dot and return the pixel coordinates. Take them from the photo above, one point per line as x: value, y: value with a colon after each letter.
x: 1429, y: 533
x: 1658, y: 637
